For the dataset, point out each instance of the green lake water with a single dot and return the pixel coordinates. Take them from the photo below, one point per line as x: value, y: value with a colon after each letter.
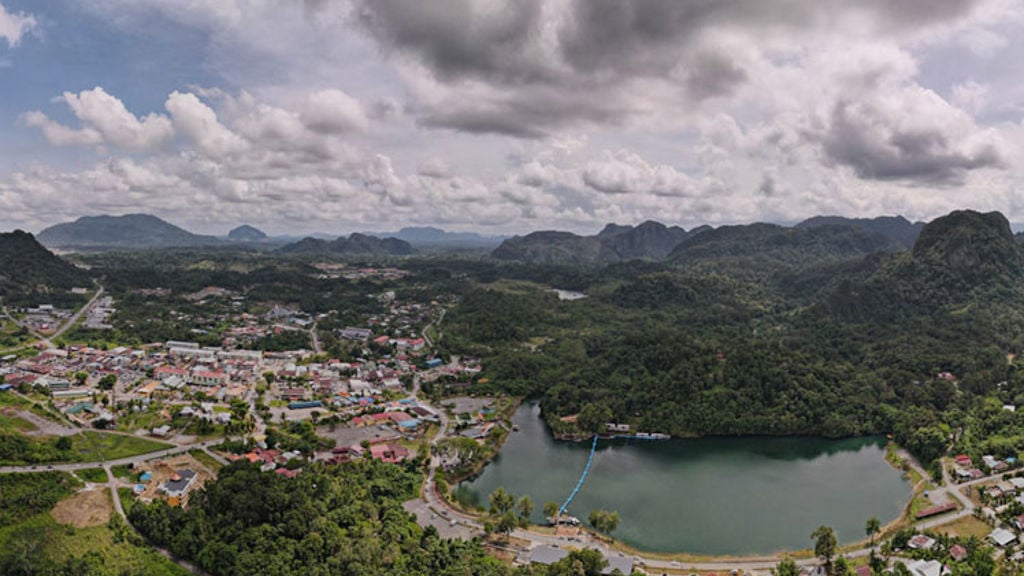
x: 736, y: 496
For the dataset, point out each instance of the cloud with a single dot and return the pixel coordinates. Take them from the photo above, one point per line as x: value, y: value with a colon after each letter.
x: 105, y: 120
x: 627, y: 173
x: 14, y: 26
x: 198, y: 122
x: 334, y: 111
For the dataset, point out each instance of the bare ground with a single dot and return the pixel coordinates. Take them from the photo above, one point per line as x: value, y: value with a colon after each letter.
x: 90, y: 507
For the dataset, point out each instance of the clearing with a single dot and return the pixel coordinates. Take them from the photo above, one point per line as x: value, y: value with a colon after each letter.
x: 966, y: 526
x: 87, y: 508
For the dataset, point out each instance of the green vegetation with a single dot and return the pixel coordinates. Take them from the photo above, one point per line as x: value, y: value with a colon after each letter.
x: 914, y: 344
x: 32, y: 542
x: 604, y: 521
x: 206, y: 460
x: 95, y: 475
x: 88, y: 446
x: 28, y: 494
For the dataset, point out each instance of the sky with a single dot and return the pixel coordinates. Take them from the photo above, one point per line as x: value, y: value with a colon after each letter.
x: 507, y: 116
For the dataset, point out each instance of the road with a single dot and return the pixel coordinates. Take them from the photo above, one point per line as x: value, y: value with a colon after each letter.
x: 71, y: 467
x: 48, y: 340
x: 317, y: 348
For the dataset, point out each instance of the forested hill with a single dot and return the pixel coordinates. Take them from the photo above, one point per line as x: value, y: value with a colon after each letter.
x: 26, y: 266
x: 960, y: 259
x: 812, y: 346
x: 753, y: 248
x: 650, y: 240
x: 765, y: 248
x: 131, y: 231
x: 895, y: 228
x: 355, y: 244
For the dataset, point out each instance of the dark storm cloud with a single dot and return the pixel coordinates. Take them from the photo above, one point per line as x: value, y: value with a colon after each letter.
x: 586, y: 53
x: 460, y: 37
x: 878, y: 148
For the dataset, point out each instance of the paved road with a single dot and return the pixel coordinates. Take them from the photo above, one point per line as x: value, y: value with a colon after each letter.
x: 316, y: 340
x: 71, y: 321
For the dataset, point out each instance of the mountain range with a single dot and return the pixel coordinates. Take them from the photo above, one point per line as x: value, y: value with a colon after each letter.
x: 821, y: 238
x: 131, y: 231
x: 355, y: 244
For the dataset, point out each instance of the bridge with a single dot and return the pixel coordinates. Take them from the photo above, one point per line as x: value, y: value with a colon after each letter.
x: 583, y: 478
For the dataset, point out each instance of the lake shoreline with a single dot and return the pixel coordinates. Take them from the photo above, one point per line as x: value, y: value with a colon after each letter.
x: 778, y: 453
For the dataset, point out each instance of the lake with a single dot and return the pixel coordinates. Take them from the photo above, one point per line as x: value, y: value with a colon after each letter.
x: 717, y: 496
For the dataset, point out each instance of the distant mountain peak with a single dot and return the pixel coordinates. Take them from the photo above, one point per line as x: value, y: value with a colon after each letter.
x: 615, y: 243
x: 247, y: 233
x: 121, y: 232
x: 355, y: 244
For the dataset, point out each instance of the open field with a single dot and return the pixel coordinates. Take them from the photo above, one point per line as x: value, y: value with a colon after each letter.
x: 206, y: 460
x: 85, y: 509
x: 94, y: 446
x: 966, y: 526
x: 94, y: 475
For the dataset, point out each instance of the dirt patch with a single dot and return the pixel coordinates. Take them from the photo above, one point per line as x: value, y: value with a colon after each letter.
x: 87, y: 508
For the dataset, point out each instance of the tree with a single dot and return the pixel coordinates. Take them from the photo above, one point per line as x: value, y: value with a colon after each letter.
x: 107, y: 382
x: 525, y: 506
x: 551, y: 509
x: 64, y: 443
x: 506, y: 523
x: 786, y: 567
x: 593, y: 417
x: 825, y: 545
x: 501, y: 502
x: 871, y: 528
x: 604, y: 521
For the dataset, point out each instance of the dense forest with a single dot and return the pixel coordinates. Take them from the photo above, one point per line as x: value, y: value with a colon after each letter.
x: 919, y: 343
x: 328, y: 520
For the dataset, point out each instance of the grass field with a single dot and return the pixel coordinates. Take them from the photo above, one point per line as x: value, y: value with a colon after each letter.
x: 966, y: 526
x: 125, y: 471
x: 14, y: 423
x: 95, y: 475
x: 94, y: 446
x: 206, y: 460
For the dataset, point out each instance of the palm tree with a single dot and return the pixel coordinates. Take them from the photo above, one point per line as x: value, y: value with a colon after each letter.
x: 871, y: 528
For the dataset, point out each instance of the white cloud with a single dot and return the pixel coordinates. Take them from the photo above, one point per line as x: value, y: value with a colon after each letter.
x: 14, y: 26
x: 105, y: 120
x: 198, y: 122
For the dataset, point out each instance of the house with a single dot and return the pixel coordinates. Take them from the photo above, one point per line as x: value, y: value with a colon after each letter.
x: 1002, y: 537
x: 204, y: 378
x: 161, y: 431
x: 389, y: 453
x: 179, y: 484
x: 926, y: 568
x: 293, y: 394
x: 921, y: 542
x: 1018, y: 483
x: 351, y: 333
x: 1019, y: 522
x: 864, y: 570
x: 958, y: 553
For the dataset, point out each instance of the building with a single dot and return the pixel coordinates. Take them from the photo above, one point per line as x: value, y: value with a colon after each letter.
x: 359, y: 334
x: 179, y: 484
x: 926, y: 568
x: 204, y: 378
x: 1002, y: 537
